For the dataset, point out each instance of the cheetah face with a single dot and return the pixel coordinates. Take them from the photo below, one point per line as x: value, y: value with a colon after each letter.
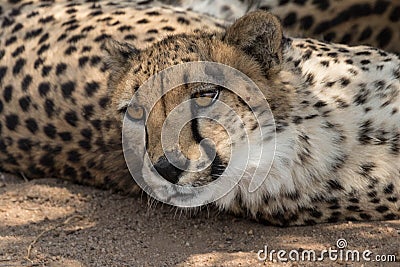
x: 194, y: 129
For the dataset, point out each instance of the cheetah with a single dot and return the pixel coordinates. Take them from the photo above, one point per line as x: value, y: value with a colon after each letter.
x: 67, y: 87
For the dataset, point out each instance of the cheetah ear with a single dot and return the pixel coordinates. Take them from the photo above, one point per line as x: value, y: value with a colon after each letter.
x: 258, y: 34
x: 118, y: 59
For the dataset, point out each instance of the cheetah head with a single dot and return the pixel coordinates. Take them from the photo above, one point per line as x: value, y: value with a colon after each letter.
x: 211, y: 138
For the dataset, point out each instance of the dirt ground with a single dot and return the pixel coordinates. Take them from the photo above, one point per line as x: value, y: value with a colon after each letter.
x: 53, y: 223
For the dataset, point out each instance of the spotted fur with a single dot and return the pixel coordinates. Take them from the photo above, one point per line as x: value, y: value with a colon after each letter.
x: 353, y: 22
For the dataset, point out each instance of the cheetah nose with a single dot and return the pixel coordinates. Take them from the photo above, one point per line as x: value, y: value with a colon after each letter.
x: 167, y: 170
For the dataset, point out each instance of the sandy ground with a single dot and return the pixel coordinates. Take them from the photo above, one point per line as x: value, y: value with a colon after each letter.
x: 63, y: 224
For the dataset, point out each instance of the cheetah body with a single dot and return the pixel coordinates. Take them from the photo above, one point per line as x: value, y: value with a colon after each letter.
x: 336, y: 107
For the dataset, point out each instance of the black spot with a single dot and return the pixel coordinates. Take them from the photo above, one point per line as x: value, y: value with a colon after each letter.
x: 103, y: 102
x: 346, y: 38
x: 364, y: 132
x: 33, y: 33
x: 365, y: 62
x: 71, y: 11
x: 49, y: 107
x: 354, y: 200
x: 60, y: 68
x: 95, y: 60
x: 91, y: 88
x: 67, y: 89
x: 124, y: 28
x: 73, y: 156
x: 182, y: 20
x: 389, y: 189
x: 316, y: 214
x: 367, y: 168
x: 65, y: 136
x: 96, y: 124
x: 85, y: 144
x: 31, y: 125
x: 325, y: 63
x: 152, y: 31
x: 50, y: 130
x: 143, y: 21
x: 96, y: 13
x: 70, y: 172
x: 290, y: 19
x: 3, y: 71
x: 382, y: 209
x: 329, y: 36
x: 12, y: 121
x: 7, y: 93
x: 25, y: 144
x: 102, y: 37
x: 380, y: 7
x: 333, y: 54
x: 82, y: 61
x: 7, y: 22
x: 87, y: 29
x: 69, y: 22
x: 395, y: 14
x: 46, y: 19
x: 307, y: 54
x: 365, y: 34
x: 18, y: 51
x: 71, y: 49
x: 17, y: 27
x: 62, y: 37
x: 334, y: 217
x: 130, y: 37
x: 35, y: 171
x: 24, y: 103
x: 365, y: 216
x: 46, y: 70
x: 300, y: 2
x: 150, y: 39
x: 71, y: 118
x: 297, y: 120
x: 86, y: 48
x: 43, y: 49
x: 384, y: 37
x: 335, y: 185
x: 88, y: 111
x: 320, y: 104
x: 26, y: 81
x: 38, y: 62
x: 76, y: 38
x: 44, y: 88
x: 32, y: 14
x: 18, y: 66
x: 344, y: 82
x: 86, y: 133
x: 168, y: 28
x: 390, y: 216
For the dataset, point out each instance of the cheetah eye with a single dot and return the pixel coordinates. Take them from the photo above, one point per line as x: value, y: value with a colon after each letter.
x: 206, y: 98
x: 135, y: 112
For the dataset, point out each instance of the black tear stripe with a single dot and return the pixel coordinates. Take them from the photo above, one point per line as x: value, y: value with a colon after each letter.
x: 217, y: 165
